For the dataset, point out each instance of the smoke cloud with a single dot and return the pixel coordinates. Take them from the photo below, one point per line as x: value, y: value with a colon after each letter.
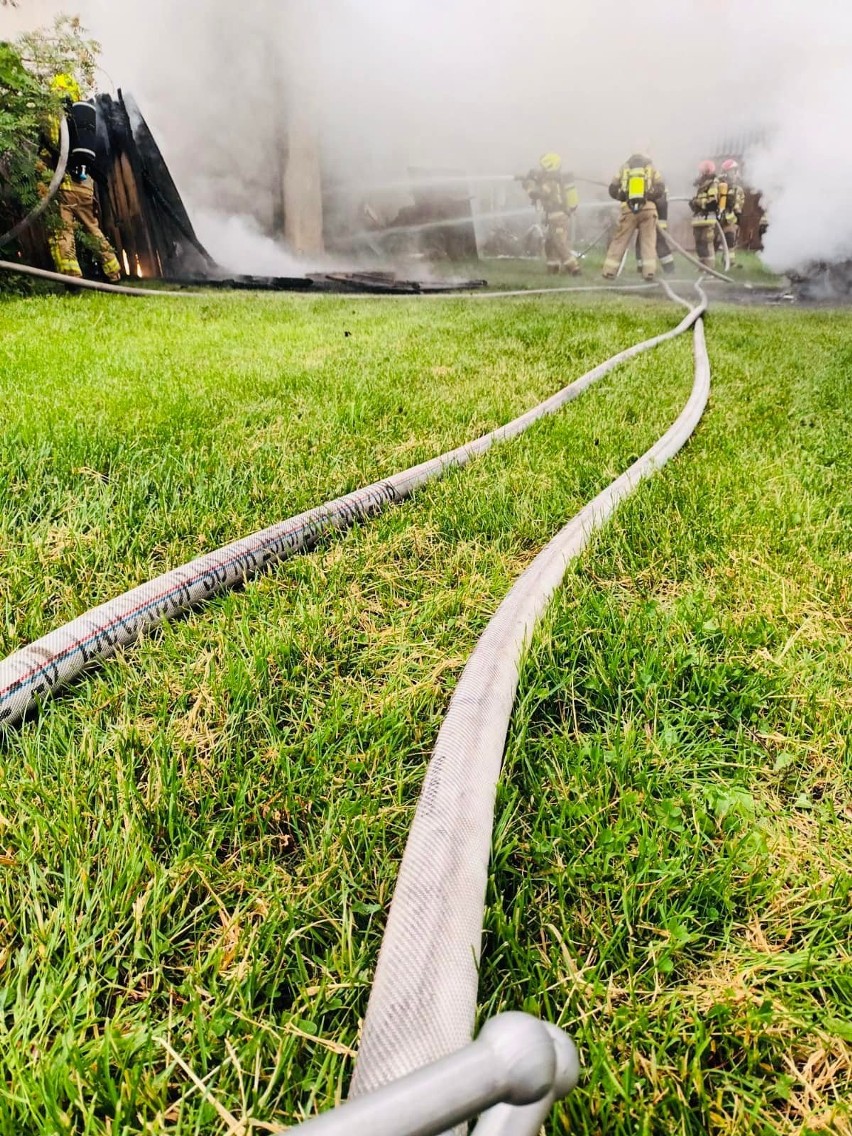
x: 237, y: 243
x: 806, y: 166
x: 485, y: 86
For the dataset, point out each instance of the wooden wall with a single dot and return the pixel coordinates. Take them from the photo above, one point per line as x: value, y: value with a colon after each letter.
x: 141, y: 211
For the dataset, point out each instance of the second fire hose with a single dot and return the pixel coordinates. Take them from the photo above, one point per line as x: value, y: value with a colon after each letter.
x: 423, y: 1003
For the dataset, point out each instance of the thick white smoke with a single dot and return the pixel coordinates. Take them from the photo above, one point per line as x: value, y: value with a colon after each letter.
x: 236, y: 242
x: 487, y: 85
x: 806, y: 168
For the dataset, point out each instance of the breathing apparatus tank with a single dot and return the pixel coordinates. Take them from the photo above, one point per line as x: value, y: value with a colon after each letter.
x: 723, y: 196
x: 634, y: 187
x: 83, y: 128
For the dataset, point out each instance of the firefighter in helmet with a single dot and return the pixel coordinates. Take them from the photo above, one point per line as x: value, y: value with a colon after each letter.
x: 556, y: 194
x: 76, y: 196
x: 731, y: 206
x: 705, y: 213
x: 639, y: 186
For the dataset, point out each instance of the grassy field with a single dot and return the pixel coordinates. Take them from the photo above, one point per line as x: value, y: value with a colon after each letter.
x: 198, y: 841
x: 512, y: 273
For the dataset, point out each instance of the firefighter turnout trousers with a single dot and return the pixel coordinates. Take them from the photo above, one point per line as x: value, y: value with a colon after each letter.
x: 665, y: 256
x: 731, y: 230
x: 644, y: 222
x: 704, y: 230
x: 76, y: 202
x: 557, y: 244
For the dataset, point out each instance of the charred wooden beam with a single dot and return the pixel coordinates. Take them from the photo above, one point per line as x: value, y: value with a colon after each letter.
x: 143, y: 213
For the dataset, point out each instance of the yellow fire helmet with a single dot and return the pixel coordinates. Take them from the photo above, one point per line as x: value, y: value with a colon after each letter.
x: 66, y: 86
x: 551, y: 162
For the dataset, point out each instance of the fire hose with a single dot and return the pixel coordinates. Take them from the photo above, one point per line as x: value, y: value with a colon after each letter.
x: 149, y: 293
x: 511, y: 1077
x: 424, y: 998
x: 52, y: 189
x: 89, y: 285
x: 692, y: 259
x: 725, y: 248
x: 31, y: 218
x: 603, y: 233
x: 423, y: 1002
x: 36, y: 671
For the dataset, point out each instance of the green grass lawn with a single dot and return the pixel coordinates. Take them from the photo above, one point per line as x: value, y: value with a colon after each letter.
x: 199, y: 840
x: 512, y: 273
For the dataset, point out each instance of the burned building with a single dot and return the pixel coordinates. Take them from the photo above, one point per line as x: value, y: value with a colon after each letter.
x: 141, y: 211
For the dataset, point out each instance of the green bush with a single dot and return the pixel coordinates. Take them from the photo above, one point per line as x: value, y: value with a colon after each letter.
x: 25, y: 103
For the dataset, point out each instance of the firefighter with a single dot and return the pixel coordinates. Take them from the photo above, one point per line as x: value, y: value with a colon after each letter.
x: 557, y: 195
x: 705, y: 213
x: 638, y: 186
x: 731, y: 206
x: 76, y: 196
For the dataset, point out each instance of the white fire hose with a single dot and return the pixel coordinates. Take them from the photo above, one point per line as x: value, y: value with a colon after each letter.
x: 90, y: 285
x: 694, y: 260
x: 423, y: 1002
x: 725, y: 248
x: 37, y: 671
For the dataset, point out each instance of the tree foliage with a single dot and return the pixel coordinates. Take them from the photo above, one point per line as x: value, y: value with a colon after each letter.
x: 25, y: 103
x: 63, y: 48
x: 27, y: 67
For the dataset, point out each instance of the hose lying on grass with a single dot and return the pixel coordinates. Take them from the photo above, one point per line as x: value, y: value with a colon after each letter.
x: 88, y: 285
x: 423, y: 1003
x: 694, y: 260
x: 148, y: 293
x: 52, y: 189
x: 38, y: 670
